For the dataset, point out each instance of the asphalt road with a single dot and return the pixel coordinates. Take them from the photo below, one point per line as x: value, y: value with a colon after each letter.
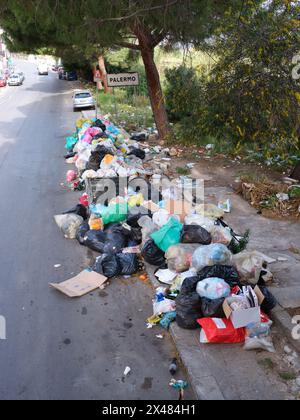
x: 58, y: 348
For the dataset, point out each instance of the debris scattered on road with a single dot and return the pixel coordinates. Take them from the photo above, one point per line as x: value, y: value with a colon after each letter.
x: 127, y: 371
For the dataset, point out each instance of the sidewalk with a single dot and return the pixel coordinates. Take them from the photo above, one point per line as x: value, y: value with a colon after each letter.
x: 226, y: 372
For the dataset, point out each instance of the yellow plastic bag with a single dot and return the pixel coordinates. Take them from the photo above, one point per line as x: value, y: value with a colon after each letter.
x: 136, y: 200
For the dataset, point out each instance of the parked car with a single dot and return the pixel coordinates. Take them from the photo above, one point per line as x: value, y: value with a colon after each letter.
x: 83, y: 99
x: 71, y: 76
x: 2, y: 81
x: 22, y: 75
x: 43, y: 70
x: 62, y: 74
x: 14, y: 80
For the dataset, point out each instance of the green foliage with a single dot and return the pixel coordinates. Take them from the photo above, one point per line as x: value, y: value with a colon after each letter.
x: 182, y: 92
x: 250, y: 101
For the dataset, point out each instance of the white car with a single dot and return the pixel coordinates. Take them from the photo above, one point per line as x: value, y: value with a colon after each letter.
x: 15, y: 80
x: 43, y: 70
x: 83, y: 99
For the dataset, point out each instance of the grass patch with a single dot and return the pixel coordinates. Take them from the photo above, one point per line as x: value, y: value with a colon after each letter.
x: 267, y: 363
x: 287, y: 376
x: 133, y: 112
x: 183, y: 171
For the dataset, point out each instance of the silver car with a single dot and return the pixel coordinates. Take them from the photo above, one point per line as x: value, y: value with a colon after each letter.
x: 15, y: 80
x: 83, y: 99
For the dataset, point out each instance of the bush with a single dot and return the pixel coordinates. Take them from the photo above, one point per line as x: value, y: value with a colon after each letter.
x: 182, y: 93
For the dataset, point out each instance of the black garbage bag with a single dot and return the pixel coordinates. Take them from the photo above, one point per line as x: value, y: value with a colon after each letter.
x: 96, y: 157
x: 225, y: 272
x: 99, y: 124
x: 95, y: 240
x: 139, y: 137
x: 81, y: 233
x: 80, y: 210
x: 132, y: 233
x: 270, y: 301
x: 195, y: 235
x: 70, y: 155
x: 188, y: 305
x: 129, y: 264
x: 115, y: 239
x: 100, y: 136
x: 108, y: 265
x: 138, y: 153
x: 152, y: 254
x: 212, y: 308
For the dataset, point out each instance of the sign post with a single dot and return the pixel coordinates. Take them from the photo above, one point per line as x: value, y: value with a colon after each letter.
x: 122, y: 80
x: 97, y: 80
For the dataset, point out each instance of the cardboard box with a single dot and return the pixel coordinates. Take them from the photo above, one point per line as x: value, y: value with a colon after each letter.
x: 245, y: 317
x: 78, y: 286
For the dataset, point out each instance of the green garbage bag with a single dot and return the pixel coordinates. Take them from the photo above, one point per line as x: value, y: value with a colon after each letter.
x: 115, y: 213
x: 168, y: 235
x: 71, y: 141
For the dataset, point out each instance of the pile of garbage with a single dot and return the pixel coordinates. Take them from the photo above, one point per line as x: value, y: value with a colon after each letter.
x: 273, y: 199
x: 208, y: 278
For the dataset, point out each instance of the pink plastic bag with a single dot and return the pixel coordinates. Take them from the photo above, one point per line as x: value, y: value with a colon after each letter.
x: 71, y: 176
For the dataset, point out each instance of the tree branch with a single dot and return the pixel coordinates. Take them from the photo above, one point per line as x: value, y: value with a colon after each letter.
x: 138, y: 12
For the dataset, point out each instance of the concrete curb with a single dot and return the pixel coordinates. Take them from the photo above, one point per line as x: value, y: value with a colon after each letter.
x: 285, y: 323
x: 204, y: 385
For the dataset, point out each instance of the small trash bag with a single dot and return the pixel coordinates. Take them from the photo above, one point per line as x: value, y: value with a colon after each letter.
x: 168, y: 235
x: 193, y: 234
x: 152, y: 254
x: 129, y: 264
x: 138, y: 153
x: 212, y: 308
x: 132, y: 234
x: 81, y: 233
x: 115, y: 213
x: 115, y: 239
x: 179, y: 257
x: 108, y: 265
x: 188, y: 305
x: 80, y: 210
x: 270, y: 301
x: 96, y: 157
x: 98, y: 123
x: 213, y: 288
x: 216, y: 254
x: 225, y: 272
x: 68, y: 224
x: 95, y: 240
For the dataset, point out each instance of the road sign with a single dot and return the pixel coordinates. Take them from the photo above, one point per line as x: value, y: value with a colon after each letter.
x: 123, y: 79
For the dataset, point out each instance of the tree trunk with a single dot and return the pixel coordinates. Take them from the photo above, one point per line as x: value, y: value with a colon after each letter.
x: 147, y: 45
x: 156, y: 94
x: 103, y: 71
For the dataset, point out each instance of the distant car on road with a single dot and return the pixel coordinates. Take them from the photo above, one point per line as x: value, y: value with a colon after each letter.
x: 14, y: 80
x: 43, y: 70
x: 3, y: 82
x: 72, y: 76
x: 83, y: 99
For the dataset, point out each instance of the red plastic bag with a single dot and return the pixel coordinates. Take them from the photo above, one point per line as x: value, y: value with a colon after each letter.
x: 84, y: 200
x: 220, y: 331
